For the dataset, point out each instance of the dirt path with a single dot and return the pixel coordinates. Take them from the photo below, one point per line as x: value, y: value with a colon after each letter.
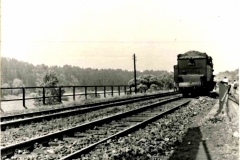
x: 209, y: 138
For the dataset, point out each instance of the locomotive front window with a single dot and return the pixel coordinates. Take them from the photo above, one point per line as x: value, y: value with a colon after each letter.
x: 191, y: 62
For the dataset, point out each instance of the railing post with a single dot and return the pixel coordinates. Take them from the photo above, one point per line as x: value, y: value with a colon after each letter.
x: 43, y: 96
x: 223, y: 91
x: 104, y: 89
x: 23, y: 96
x: 85, y: 92
x: 125, y: 91
x: 119, y: 90
x: 74, y: 93
x: 112, y: 91
x: 60, y: 94
x: 95, y: 91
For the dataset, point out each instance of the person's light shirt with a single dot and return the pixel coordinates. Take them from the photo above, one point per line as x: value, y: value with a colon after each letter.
x: 225, y: 80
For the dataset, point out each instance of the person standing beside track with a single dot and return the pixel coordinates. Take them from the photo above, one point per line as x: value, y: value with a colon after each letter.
x: 230, y: 86
x: 234, y: 86
x: 225, y: 80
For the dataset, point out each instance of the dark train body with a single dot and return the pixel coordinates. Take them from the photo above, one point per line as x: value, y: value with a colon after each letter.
x: 194, y: 73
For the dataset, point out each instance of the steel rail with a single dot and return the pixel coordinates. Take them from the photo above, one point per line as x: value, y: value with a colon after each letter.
x: 10, y: 149
x: 122, y: 133
x: 18, y: 116
x: 16, y: 123
x: 67, y: 95
x: 233, y: 100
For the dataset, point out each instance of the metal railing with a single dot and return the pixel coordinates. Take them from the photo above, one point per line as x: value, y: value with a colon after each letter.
x: 84, y: 89
x: 223, y: 96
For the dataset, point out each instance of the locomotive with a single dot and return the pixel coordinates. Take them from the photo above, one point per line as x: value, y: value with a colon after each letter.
x: 194, y: 73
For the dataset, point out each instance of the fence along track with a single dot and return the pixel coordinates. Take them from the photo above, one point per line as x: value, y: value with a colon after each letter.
x: 86, y: 93
x: 18, y: 122
x: 9, y: 150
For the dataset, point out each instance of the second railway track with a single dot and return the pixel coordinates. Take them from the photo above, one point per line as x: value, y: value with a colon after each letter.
x: 22, y: 119
x: 51, y: 111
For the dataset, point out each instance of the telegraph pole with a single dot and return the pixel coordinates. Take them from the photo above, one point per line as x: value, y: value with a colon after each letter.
x: 135, y: 75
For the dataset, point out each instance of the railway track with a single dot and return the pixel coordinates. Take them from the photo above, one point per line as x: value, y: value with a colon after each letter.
x: 97, y: 131
x: 27, y: 118
x: 15, y: 135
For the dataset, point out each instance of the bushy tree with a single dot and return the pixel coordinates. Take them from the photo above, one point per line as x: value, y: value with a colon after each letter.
x: 5, y: 91
x: 142, y: 88
x: 48, y: 79
x: 154, y: 87
x: 166, y: 81
x: 144, y: 82
x: 17, y: 83
x: 152, y: 83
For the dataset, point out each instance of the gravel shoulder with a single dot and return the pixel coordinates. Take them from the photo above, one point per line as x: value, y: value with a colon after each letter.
x: 210, y: 138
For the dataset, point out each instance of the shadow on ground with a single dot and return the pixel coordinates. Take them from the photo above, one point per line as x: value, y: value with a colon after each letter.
x: 214, y: 94
x: 188, y: 148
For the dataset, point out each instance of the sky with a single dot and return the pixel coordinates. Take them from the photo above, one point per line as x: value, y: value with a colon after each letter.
x: 105, y: 34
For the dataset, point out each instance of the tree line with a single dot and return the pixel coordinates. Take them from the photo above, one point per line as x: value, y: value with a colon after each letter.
x: 17, y: 73
x: 231, y: 75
